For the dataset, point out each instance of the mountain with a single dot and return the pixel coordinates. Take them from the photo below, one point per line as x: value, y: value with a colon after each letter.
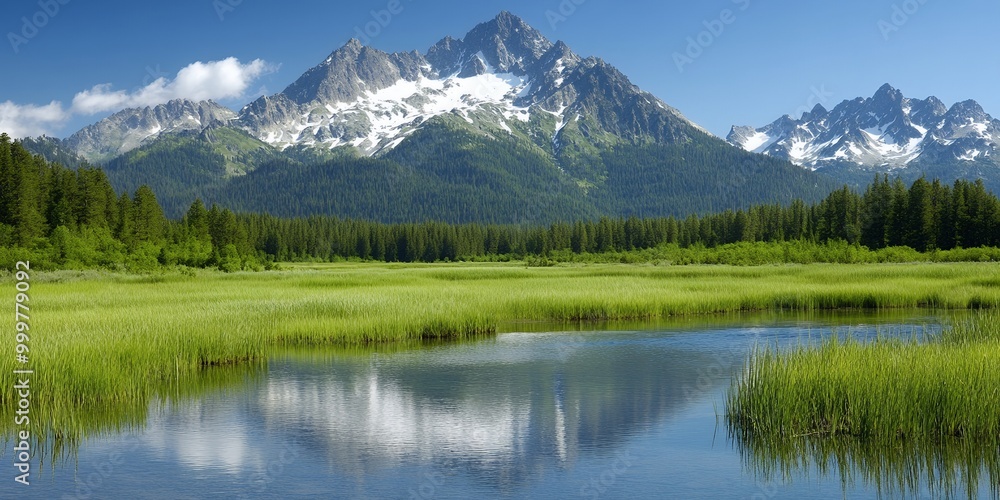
x: 446, y: 173
x: 500, y: 126
x: 128, y: 129
x: 885, y: 133
x: 183, y: 164
x: 503, y: 78
x: 54, y: 150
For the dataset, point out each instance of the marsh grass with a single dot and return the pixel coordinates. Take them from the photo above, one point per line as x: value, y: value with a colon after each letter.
x: 861, y: 403
x: 885, y: 389
x: 110, y: 344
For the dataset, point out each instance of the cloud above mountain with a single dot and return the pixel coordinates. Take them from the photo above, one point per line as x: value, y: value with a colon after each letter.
x: 20, y: 121
x: 226, y: 79
x: 199, y: 81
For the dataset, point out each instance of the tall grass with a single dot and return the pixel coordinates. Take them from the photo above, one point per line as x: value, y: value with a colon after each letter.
x: 863, y: 403
x: 886, y: 390
x: 119, y: 341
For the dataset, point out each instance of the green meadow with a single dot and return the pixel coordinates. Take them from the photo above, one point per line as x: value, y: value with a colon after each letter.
x: 105, y: 343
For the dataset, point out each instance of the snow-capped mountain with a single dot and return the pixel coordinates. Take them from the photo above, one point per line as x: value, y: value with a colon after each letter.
x: 130, y: 128
x: 502, y: 126
x: 885, y: 132
x: 503, y: 77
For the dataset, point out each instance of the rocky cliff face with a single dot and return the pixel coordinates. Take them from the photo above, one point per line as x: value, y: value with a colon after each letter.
x: 885, y: 132
x: 502, y: 75
x: 130, y: 128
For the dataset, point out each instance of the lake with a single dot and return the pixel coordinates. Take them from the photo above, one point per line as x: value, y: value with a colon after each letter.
x: 598, y: 411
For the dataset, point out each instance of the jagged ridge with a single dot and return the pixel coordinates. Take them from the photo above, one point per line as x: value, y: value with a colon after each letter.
x: 130, y: 128
x: 887, y: 131
x: 502, y: 75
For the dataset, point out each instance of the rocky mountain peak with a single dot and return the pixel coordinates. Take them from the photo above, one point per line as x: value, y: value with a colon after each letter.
x: 887, y: 94
x: 504, y: 79
x: 130, y: 128
x: 967, y: 110
x: 818, y: 113
x: 887, y: 131
x: 928, y: 112
x: 508, y: 43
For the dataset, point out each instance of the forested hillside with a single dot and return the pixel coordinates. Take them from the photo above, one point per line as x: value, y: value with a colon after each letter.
x: 451, y: 174
x: 61, y: 218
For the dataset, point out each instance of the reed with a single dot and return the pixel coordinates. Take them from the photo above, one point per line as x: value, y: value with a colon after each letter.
x: 885, y: 391
x: 898, y: 414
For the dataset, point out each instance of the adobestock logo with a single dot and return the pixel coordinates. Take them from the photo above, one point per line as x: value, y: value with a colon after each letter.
x: 32, y: 25
x: 714, y: 29
x: 381, y: 19
x: 819, y: 95
x: 223, y: 7
x: 566, y: 9
x: 901, y: 14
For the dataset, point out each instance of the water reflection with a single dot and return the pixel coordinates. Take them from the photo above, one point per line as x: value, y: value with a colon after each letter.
x: 953, y: 468
x: 503, y: 408
x: 521, y: 415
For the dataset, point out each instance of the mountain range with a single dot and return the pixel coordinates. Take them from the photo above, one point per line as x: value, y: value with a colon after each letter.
x: 885, y: 133
x: 507, y: 126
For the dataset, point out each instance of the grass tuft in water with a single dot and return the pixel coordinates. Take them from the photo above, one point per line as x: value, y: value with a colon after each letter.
x: 897, y: 410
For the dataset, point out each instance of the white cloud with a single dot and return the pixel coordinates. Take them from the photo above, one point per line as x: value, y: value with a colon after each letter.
x: 226, y: 79
x: 217, y: 80
x: 27, y: 121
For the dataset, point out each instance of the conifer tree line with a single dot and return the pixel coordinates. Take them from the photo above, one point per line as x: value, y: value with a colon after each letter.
x: 73, y: 218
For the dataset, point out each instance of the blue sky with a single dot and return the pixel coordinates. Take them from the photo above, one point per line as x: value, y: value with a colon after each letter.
x: 764, y: 59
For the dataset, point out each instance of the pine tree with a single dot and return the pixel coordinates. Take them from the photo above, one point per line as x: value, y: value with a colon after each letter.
x: 920, y: 234
x: 62, y: 197
x: 95, y: 195
x: 8, y: 190
x: 149, y: 220
x: 26, y: 202
x: 125, y: 228
x: 876, y: 207
x: 198, y: 222
x: 898, y: 222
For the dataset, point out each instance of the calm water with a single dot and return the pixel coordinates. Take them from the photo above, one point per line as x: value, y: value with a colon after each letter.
x: 625, y: 413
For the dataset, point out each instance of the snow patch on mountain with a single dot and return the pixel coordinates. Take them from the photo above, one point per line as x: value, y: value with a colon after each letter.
x: 503, y: 72
x: 130, y: 128
x: 383, y: 117
x: 887, y: 131
x: 758, y: 142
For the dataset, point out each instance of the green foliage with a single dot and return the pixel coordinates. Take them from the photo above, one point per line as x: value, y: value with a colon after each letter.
x: 74, y: 219
x: 450, y: 171
x: 887, y: 392
x: 177, y: 167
